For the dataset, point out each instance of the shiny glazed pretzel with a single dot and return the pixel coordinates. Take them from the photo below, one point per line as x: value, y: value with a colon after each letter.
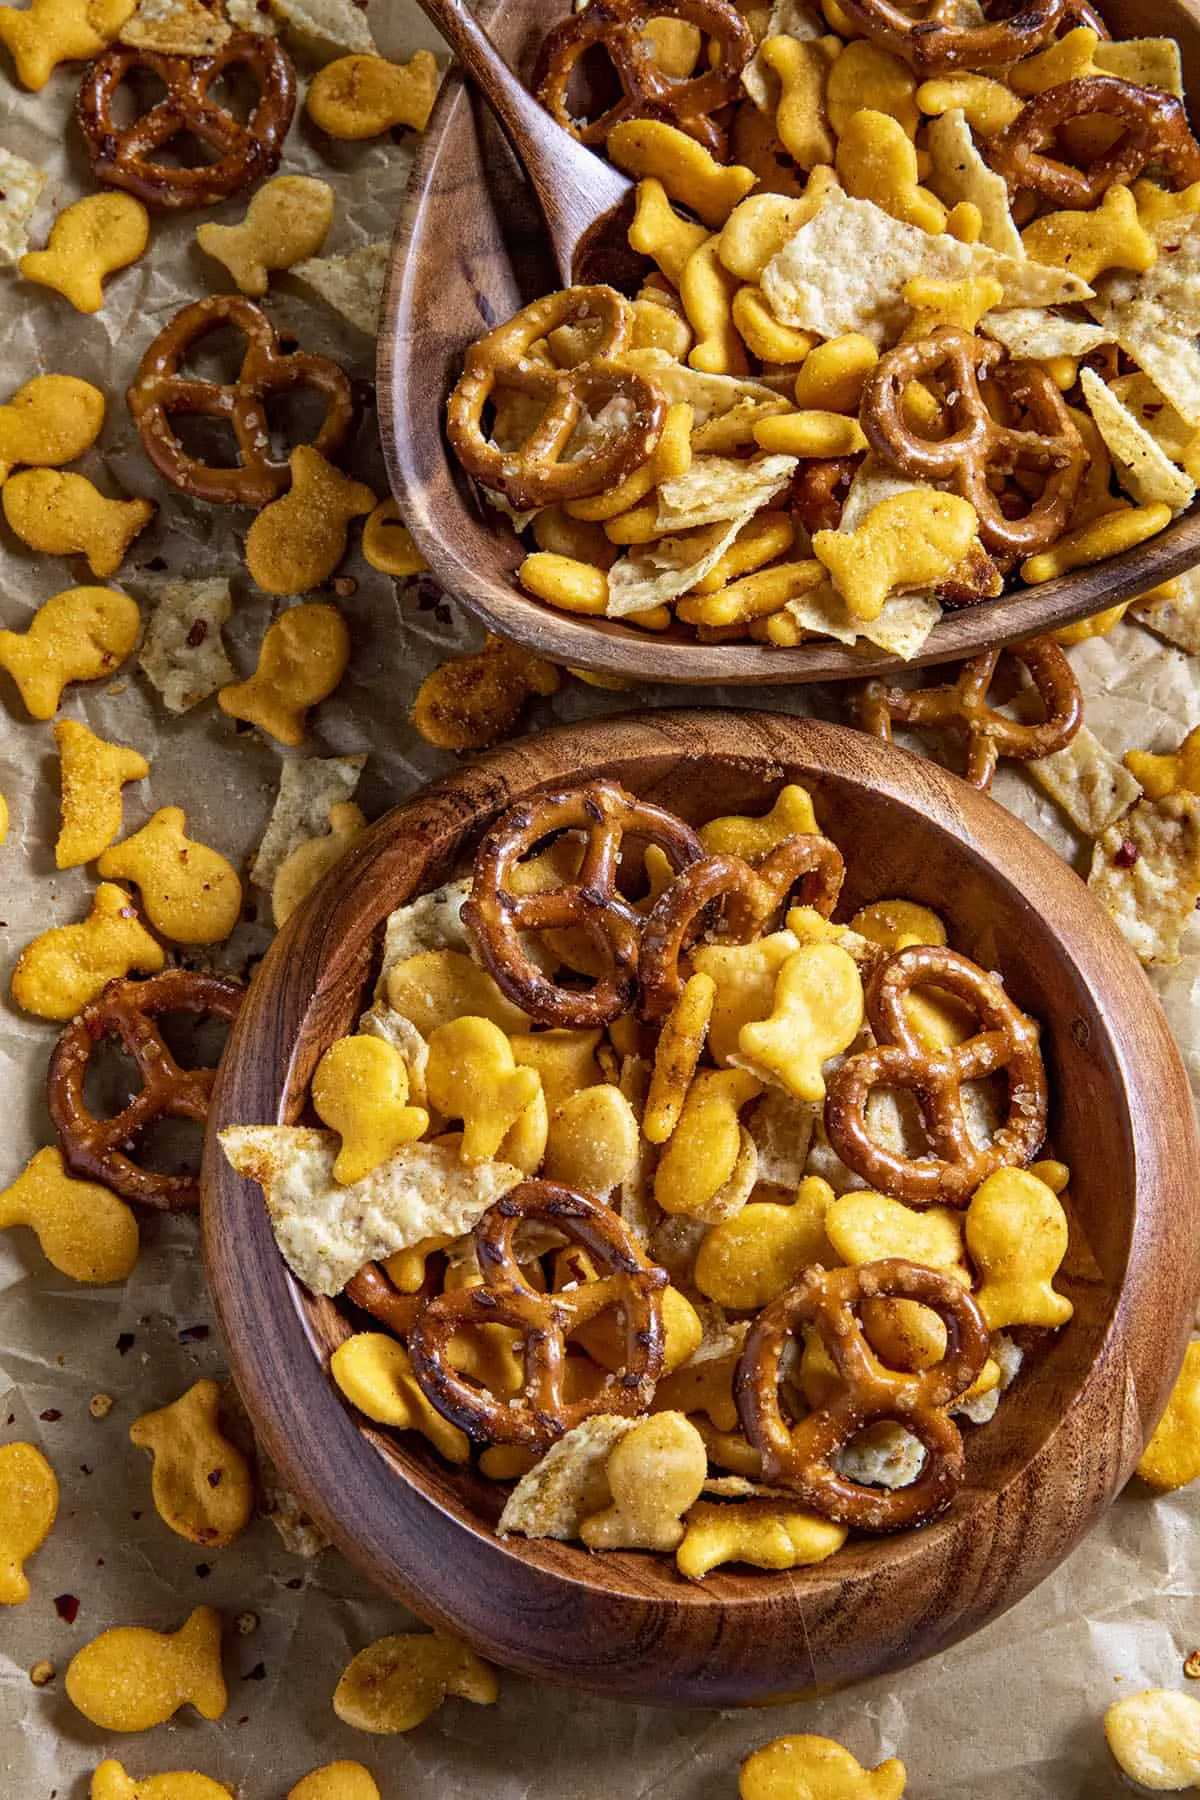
x: 160, y: 391
x: 128, y: 1010
x: 536, y: 472
x: 979, y: 446
x: 496, y: 915
x: 954, y: 1166
x: 1156, y: 131
x: 748, y: 897
x: 933, y: 42
x: 541, y: 1413
x: 646, y: 92
x: 963, y: 707
x: 802, y: 1456
x: 243, y: 153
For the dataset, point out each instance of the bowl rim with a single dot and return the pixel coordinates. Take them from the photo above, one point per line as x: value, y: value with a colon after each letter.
x: 609, y: 647
x: 305, y: 1425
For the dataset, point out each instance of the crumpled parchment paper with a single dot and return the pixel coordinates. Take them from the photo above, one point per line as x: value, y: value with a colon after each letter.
x: 1014, y: 1714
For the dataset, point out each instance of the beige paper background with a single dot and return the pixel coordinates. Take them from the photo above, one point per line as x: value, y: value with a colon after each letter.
x: 1012, y: 1715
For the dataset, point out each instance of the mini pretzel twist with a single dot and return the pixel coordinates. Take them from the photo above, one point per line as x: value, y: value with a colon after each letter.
x: 933, y: 42
x: 541, y: 1413
x: 749, y: 897
x: 646, y: 92
x: 819, y: 489
x: 802, y: 1456
x: 979, y: 446
x: 1156, y: 131
x: 128, y: 1010
x: 538, y: 471
x: 962, y: 706
x: 160, y: 391
x: 955, y: 1165
x: 496, y: 915
x: 242, y: 153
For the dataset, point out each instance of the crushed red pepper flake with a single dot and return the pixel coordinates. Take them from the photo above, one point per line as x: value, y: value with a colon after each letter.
x: 67, y: 1607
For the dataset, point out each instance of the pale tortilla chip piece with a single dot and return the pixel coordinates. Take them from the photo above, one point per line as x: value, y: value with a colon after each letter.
x: 569, y: 1484
x: 663, y: 571
x: 432, y: 921
x: 901, y: 628
x: 352, y: 284
x: 782, y: 1129
x: 1168, y: 427
x: 1146, y: 874
x: 846, y: 270
x: 1093, y: 788
x: 308, y: 787
x: 709, y: 396
x: 960, y: 173
x: 884, y: 1455
x: 21, y: 184
x: 176, y: 27
x: 1147, y: 62
x: 1155, y: 318
x: 327, y: 1232
x: 1031, y: 331
x: 716, y: 488
x: 326, y: 28
x: 1143, y: 468
x: 1177, y: 620
x: 182, y: 654
x: 789, y: 18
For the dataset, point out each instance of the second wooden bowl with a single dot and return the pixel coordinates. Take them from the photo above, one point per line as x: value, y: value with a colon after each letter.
x: 1067, y: 1435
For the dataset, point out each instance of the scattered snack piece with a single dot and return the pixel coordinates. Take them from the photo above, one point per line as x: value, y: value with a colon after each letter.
x: 182, y: 654
x: 130, y: 1678
x: 1155, y: 1738
x: 92, y: 774
x: 909, y: 541
x: 190, y: 893
x: 100, y: 1405
x: 50, y: 421
x: 1146, y: 873
x: 1191, y: 1667
x: 286, y: 221
x: 362, y: 96
x: 28, y: 1506
x: 376, y: 1375
x: 110, y: 1782
x: 90, y: 239
x: 1172, y: 1457
x: 309, y: 787
x: 64, y: 515
x: 655, y: 1473
x: 767, y: 1534
x: 298, y: 541
x: 336, y: 1781
x: 83, y: 1229
x: 309, y: 863
x: 1177, y: 772
x: 21, y: 184
x: 360, y: 1090
x: 68, y: 966
x: 475, y: 700
x: 178, y: 27
x: 300, y: 662
x: 202, y: 1485
x: 816, y: 1768
x: 42, y: 1673
x: 79, y: 635
x: 397, y: 1682
x: 1093, y: 788
x: 388, y: 545
x: 351, y: 284
x: 47, y: 32
x: 326, y: 28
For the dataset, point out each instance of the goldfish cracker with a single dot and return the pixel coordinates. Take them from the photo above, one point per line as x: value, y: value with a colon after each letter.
x: 472, y: 701
x: 964, y: 221
x: 387, y: 543
x: 92, y: 774
x: 657, y: 326
x: 1068, y: 58
x: 675, y: 45
x: 816, y: 1768
x: 658, y: 231
x: 745, y: 975
x: 362, y: 96
x: 190, y: 893
x: 1155, y: 1739
x: 655, y: 1473
x: 360, y: 1090
x: 762, y: 540
x: 302, y: 658
x: 751, y: 838
x: 1017, y: 1236
x: 297, y: 541
x: 690, y: 176
x: 1172, y: 1457
x: 202, y: 1485
x: 907, y: 541
x: 565, y: 1061
x: 49, y: 421
x: 473, y: 1076
x: 336, y: 1781
x: 79, y: 635
x: 88, y: 240
x: 397, y: 1682
x: 308, y: 864
x: 677, y: 1053
x: 83, y: 1229
x: 1110, y: 535
x: 110, y: 1782
x: 62, y: 514
x: 557, y: 533
x: 863, y: 1227
x: 746, y: 1262
x: 762, y: 333
x: 562, y: 581
x: 702, y: 1153
x: 865, y: 78
x: 958, y: 303
x: 286, y: 221
x: 989, y: 106
x: 670, y: 458
x: 759, y: 227
x: 753, y: 597
x: 28, y: 1506
x: 803, y: 67
x: 811, y: 433
x: 435, y: 986
x: 898, y: 924
x: 1091, y: 243
x: 1161, y: 210
x: 876, y: 161
x: 130, y: 1679
x: 1176, y: 772
x: 592, y: 1144
x: 767, y: 1534
x: 374, y: 1372
x: 833, y: 375
x: 68, y: 966
x: 817, y: 1013
x: 48, y: 32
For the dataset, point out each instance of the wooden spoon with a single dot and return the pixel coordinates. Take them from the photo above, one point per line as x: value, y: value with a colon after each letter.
x: 584, y: 201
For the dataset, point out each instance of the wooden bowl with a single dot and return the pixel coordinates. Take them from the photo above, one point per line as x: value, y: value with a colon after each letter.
x: 469, y: 251
x: 1066, y: 1437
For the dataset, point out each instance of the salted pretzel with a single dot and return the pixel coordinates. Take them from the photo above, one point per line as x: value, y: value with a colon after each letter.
x: 962, y: 706
x: 748, y: 899
x: 949, y: 1172
x: 979, y: 446
x: 376, y: 1294
x: 819, y: 489
x: 803, y: 1456
x: 619, y: 27
x: 933, y: 42
x: 99, y: 1148
x: 538, y: 471
x: 541, y: 1412
x: 161, y: 391
x: 1156, y: 131
x: 243, y: 152
x: 496, y: 915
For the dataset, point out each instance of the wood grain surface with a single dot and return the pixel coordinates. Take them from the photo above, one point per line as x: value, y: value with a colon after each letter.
x: 1067, y: 1436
